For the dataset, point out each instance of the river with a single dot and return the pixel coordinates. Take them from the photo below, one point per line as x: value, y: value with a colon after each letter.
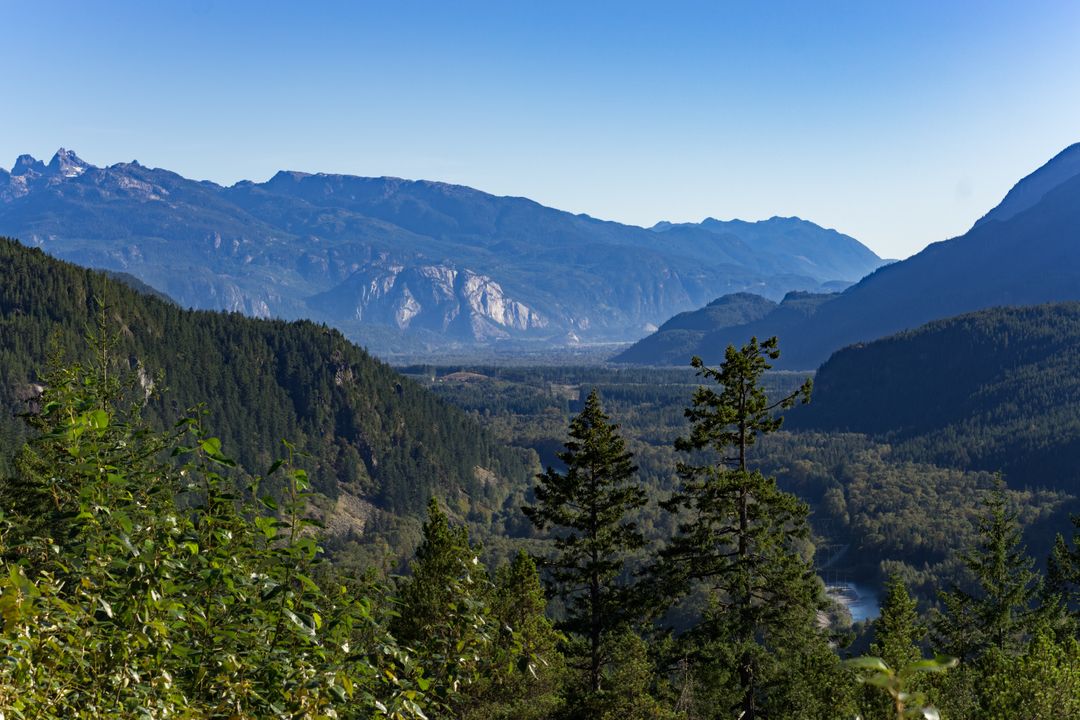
x: 862, y: 602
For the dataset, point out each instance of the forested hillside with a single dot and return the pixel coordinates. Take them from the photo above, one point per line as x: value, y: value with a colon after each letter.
x: 701, y: 332
x: 679, y: 338
x: 993, y: 390
x: 672, y: 578
x: 376, y: 439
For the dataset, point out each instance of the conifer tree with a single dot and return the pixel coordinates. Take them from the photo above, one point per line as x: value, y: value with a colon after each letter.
x: 526, y: 669
x: 444, y: 612
x: 629, y: 678
x: 999, y: 613
x: 898, y: 631
x: 1042, y: 683
x: 1061, y: 591
x: 588, y: 510
x: 738, y: 527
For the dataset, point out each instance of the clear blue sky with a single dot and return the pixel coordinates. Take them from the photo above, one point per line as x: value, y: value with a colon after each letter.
x: 899, y: 123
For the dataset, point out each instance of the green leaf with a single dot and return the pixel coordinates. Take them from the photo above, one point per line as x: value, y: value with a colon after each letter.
x: 98, y: 419
x: 867, y: 662
x: 267, y: 525
x: 939, y: 663
x: 211, y: 446
x: 878, y: 680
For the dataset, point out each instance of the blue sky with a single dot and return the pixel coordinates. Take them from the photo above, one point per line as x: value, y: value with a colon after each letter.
x: 898, y: 123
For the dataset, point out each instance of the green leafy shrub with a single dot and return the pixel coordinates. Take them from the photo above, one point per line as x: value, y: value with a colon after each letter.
x: 136, y: 581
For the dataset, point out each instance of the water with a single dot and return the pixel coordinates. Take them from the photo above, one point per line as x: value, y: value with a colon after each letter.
x: 862, y: 602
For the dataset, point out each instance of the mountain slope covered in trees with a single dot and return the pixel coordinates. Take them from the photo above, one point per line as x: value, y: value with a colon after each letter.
x: 396, y: 263
x: 699, y: 332
x: 377, y: 442
x: 677, y: 340
x: 991, y: 390
x: 1023, y: 252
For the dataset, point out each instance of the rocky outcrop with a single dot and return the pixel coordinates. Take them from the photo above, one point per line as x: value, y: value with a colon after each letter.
x: 439, y: 297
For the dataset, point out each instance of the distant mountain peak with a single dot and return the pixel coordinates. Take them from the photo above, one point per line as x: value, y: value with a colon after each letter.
x: 67, y: 164
x: 1030, y: 190
x: 27, y: 164
x: 405, y: 263
x: 287, y: 175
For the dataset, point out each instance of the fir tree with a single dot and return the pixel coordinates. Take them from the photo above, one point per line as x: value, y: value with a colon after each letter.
x: 898, y: 630
x: 444, y: 613
x: 526, y: 669
x: 587, y: 509
x: 1000, y: 613
x: 898, y: 633
x: 738, y: 527
x: 1061, y: 591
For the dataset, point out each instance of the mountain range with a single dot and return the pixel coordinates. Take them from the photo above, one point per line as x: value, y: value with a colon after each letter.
x: 1023, y: 252
x: 399, y: 264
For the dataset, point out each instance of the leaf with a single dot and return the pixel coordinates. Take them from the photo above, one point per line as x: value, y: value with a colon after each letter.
x: 878, y: 680
x: 267, y: 525
x: 106, y: 607
x: 298, y: 622
x: 123, y: 520
x: 867, y: 662
x: 211, y: 446
x: 939, y: 663
x: 98, y: 419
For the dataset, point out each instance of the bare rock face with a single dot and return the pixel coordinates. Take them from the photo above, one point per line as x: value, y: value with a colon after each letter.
x: 438, y: 297
x: 487, y: 300
x: 27, y: 165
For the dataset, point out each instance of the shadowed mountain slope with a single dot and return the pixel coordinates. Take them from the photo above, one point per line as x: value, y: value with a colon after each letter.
x: 1026, y: 251
x: 375, y: 440
x: 991, y: 390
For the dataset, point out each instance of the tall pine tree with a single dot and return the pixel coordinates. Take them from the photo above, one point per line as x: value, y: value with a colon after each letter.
x: 738, y: 528
x: 588, y: 509
x: 898, y: 634
x: 1000, y: 612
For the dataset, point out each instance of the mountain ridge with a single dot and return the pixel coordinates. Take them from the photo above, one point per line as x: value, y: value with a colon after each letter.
x: 311, y: 245
x: 1020, y: 255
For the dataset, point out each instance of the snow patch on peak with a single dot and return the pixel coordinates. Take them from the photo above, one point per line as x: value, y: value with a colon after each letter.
x: 66, y: 163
